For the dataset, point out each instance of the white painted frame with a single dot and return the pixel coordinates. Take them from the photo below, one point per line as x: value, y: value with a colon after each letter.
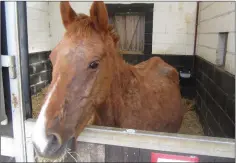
x: 19, y: 142
x: 167, y: 142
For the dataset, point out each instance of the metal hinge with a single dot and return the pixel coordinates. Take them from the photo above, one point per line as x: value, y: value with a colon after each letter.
x: 9, y: 61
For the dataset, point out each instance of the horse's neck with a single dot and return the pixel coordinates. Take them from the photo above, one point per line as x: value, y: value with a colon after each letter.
x: 123, y: 77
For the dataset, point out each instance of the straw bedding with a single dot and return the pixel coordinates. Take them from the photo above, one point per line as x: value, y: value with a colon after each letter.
x: 191, y: 124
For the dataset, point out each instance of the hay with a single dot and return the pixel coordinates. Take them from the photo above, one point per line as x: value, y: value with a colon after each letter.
x: 37, y: 101
x: 191, y: 124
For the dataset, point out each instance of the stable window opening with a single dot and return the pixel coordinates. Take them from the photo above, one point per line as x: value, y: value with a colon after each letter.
x: 131, y: 30
x: 221, y: 48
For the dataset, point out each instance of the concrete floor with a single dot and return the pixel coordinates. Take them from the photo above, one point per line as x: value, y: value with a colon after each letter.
x: 6, y: 131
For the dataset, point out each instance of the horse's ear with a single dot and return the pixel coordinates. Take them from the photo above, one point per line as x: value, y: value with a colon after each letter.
x: 68, y: 15
x: 99, y: 16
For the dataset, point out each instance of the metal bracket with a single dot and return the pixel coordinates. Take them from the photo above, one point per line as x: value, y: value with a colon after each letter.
x: 9, y: 61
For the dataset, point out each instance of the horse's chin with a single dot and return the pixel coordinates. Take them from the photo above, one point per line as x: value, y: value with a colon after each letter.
x: 59, y: 156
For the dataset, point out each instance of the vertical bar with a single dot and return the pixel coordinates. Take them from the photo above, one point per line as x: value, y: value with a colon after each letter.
x: 23, y: 42
x: 15, y: 84
x: 3, y: 116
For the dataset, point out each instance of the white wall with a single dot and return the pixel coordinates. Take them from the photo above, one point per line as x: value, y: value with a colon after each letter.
x: 57, y: 28
x: 215, y: 17
x: 173, y: 25
x: 38, y: 26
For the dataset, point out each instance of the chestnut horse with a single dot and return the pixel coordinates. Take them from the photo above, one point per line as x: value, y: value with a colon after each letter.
x: 90, y: 78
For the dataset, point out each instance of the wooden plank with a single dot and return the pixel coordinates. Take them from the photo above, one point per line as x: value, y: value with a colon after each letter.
x: 120, y: 25
x: 131, y: 26
x: 144, y: 155
x: 90, y: 152
x: 203, y: 145
x: 114, y: 153
x: 131, y: 29
x: 131, y: 154
x: 166, y: 142
x: 121, y: 154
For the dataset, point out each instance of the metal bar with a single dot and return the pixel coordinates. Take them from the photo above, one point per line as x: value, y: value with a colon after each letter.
x: 15, y: 84
x: 23, y: 42
x: 180, y: 143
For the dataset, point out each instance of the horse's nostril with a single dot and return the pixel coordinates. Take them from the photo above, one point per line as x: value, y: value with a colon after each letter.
x: 55, y: 139
x: 51, y: 145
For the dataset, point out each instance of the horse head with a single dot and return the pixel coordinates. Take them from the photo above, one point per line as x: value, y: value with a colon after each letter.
x: 81, y: 77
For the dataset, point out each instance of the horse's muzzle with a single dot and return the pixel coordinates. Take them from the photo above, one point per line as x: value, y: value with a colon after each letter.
x: 53, y: 150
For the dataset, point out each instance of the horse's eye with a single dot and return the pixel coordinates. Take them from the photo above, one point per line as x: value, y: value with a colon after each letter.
x: 93, y: 65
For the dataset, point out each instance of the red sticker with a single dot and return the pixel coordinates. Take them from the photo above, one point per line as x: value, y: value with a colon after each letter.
x: 159, y: 157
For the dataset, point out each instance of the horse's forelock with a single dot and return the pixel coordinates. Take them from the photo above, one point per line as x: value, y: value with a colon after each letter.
x: 83, y: 26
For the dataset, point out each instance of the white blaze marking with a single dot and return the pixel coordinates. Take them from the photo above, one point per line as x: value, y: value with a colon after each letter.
x: 39, y: 134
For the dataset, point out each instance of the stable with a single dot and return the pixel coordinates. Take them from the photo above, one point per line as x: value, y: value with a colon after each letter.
x: 187, y: 35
